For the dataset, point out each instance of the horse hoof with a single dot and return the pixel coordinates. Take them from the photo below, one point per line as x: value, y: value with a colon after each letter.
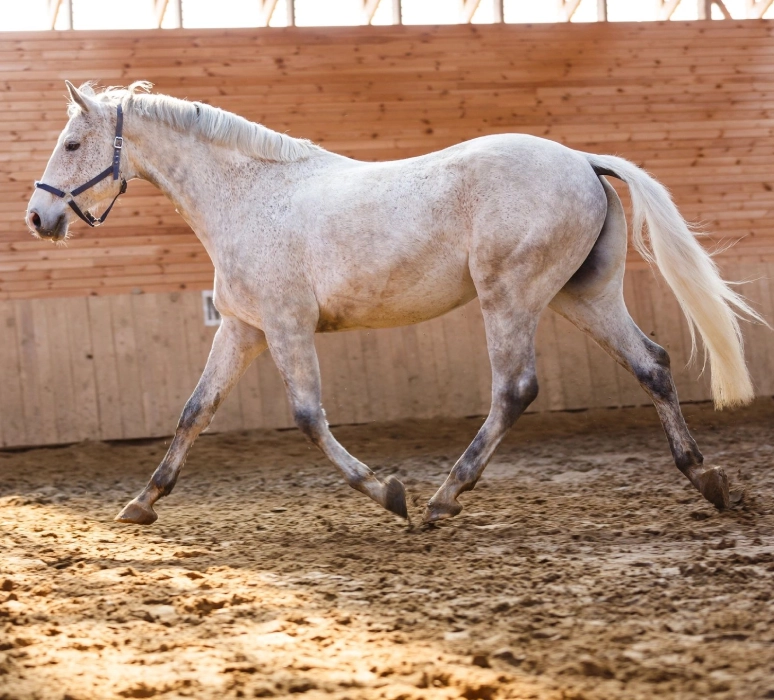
x: 440, y: 511
x: 135, y: 512
x: 713, y: 485
x: 395, y: 497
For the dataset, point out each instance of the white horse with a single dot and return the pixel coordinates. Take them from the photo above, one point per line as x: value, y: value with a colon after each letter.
x: 304, y: 240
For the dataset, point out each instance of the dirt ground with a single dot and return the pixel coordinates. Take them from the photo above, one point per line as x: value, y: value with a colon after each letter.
x: 583, y: 566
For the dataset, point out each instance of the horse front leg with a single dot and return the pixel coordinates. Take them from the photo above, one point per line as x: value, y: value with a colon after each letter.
x: 235, y: 346
x: 296, y: 358
x: 510, y: 338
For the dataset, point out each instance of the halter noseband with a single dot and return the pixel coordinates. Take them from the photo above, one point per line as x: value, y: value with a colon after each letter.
x: 114, y: 169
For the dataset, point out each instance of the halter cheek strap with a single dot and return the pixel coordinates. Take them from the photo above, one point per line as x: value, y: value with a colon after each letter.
x: 113, y: 169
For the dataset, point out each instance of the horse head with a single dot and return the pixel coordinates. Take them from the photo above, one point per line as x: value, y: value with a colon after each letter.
x: 90, y: 140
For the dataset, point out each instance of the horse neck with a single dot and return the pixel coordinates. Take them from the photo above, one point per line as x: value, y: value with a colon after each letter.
x: 194, y: 174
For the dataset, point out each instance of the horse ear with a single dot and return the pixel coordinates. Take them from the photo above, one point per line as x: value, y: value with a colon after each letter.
x: 77, y: 97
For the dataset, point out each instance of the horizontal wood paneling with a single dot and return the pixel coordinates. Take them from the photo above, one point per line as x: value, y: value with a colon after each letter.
x: 122, y: 366
x: 692, y: 102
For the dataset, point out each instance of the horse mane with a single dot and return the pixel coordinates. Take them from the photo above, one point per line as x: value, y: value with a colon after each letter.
x: 213, y: 123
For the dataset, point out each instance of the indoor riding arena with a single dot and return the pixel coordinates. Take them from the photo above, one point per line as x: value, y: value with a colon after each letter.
x: 583, y: 566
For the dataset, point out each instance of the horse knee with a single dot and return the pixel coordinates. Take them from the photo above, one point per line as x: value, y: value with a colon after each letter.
x: 198, y: 413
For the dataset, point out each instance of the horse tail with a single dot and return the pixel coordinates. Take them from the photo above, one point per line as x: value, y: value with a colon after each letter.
x: 708, y: 302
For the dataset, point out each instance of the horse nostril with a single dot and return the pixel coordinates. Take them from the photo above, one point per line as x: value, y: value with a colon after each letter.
x: 35, y: 220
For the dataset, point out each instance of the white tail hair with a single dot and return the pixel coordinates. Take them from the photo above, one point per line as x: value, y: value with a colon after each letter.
x: 708, y: 302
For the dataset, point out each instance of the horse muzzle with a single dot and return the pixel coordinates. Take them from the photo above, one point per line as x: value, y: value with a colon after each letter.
x: 52, y: 229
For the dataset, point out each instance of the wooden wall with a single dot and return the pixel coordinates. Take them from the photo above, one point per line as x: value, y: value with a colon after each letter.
x: 690, y: 101
x: 122, y: 366
x: 104, y: 338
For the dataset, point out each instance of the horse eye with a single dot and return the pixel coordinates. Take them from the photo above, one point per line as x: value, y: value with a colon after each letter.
x: 72, y: 146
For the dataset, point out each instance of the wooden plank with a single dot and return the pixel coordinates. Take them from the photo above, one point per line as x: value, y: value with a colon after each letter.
x: 479, y: 359
x: 29, y: 378
x: 387, y: 376
x: 431, y: 380
x: 395, y: 357
x: 107, y: 388
x: 574, y: 365
x: 132, y: 405
x: 463, y: 379
x: 13, y: 427
x: 44, y: 371
x: 767, y: 310
x: 273, y: 396
x: 548, y: 351
x: 62, y: 381
x: 443, y: 371
x: 85, y: 406
x: 358, y: 394
x: 335, y: 372
x: 249, y: 395
x: 148, y: 331
x: 174, y: 354
x: 759, y: 346
x: 373, y: 373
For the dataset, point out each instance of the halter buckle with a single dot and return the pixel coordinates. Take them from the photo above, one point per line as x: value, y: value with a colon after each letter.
x: 118, y: 142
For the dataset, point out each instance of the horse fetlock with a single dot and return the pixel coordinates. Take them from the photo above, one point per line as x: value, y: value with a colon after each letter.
x: 161, y: 484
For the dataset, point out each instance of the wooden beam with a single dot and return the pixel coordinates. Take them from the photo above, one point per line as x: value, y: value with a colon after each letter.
x: 468, y: 9
x: 757, y: 8
x: 159, y: 10
x: 601, y: 10
x: 666, y: 8
x: 162, y: 7
x: 397, y: 12
x: 369, y: 10
x: 567, y: 9
x: 55, y: 7
x: 722, y: 7
x: 267, y: 8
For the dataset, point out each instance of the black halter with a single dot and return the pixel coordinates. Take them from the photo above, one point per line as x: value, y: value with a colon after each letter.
x: 114, y: 169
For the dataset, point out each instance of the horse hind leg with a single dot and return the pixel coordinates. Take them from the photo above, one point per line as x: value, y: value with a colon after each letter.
x: 610, y: 325
x: 593, y: 301
x: 515, y: 279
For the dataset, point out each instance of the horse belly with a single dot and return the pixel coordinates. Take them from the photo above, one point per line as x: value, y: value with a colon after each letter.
x: 399, y: 297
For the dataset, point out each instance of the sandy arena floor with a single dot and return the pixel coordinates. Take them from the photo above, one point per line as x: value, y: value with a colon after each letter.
x: 583, y: 566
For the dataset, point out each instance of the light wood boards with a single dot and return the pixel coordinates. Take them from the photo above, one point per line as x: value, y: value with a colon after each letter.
x: 692, y: 102
x: 123, y: 366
